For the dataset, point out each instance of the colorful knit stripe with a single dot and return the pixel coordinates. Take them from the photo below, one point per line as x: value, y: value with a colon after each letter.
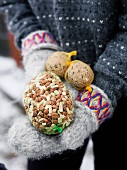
x: 38, y: 38
x: 97, y: 103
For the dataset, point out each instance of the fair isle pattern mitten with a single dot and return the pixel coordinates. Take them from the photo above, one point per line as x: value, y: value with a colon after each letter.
x: 98, y: 102
x: 37, y: 40
x: 36, y: 48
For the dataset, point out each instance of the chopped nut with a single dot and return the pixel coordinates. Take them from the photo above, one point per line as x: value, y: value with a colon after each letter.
x: 49, y: 103
x: 55, y: 121
x: 53, y: 102
x: 71, y: 116
x: 49, y: 123
x: 39, y: 99
x: 36, y: 124
x: 46, y: 111
x: 41, y: 108
x: 33, y: 119
x: 58, y: 100
x: 64, y: 113
x: 36, y: 99
x: 47, y: 84
x: 45, y: 120
x: 34, y: 113
x: 54, y: 107
x: 55, y: 116
x: 46, y: 92
x: 42, y: 92
x: 41, y: 127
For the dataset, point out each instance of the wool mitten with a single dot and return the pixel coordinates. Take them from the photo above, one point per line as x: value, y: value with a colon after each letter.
x: 26, y: 140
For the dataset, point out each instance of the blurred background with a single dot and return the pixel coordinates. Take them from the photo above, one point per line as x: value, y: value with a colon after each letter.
x: 11, y: 89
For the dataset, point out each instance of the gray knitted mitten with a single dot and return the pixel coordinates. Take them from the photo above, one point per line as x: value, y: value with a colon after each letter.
x: 34, y: 63
x: 26, y: 140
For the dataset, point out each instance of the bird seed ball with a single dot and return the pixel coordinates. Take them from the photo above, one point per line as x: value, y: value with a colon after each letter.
x: 56, y: 63
x: 79, y: 75
x: 48, y: 103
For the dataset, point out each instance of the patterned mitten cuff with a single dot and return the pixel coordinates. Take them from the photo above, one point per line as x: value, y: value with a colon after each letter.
x: 36, y: 48
x: 97, y: 102
x: 38, y: 40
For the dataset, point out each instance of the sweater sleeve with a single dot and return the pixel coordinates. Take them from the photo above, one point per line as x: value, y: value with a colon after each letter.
x: 20, y: 19
x: 111, y: 67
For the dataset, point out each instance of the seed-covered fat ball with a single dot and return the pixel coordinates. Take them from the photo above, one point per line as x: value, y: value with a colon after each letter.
x: 57, y: 62
x: 48, y: 103
x: 79, y: 75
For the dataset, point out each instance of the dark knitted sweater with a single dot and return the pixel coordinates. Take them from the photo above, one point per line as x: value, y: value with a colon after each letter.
x: 97, y: 29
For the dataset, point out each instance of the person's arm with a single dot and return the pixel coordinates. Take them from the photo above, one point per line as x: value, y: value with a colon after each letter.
x: 111, y: 67
x: 110, y: 80
x: 20, y: 19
